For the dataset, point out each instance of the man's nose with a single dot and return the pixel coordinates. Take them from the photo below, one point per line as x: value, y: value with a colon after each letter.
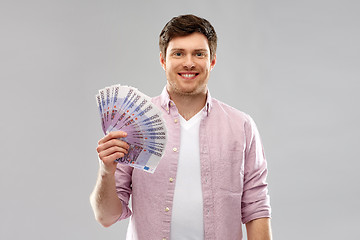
x: 189, y: 62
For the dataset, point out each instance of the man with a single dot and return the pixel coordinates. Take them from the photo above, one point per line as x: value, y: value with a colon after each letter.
x: 213, y: 174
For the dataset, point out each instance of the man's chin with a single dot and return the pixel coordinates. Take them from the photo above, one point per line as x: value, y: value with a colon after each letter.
x: 189, y: 92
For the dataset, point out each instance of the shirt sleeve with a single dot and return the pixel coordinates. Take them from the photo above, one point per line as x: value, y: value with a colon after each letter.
x: 255, y: 200
x: 123, y: 180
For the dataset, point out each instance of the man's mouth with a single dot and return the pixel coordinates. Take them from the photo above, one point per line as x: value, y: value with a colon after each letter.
x: 188, y: 75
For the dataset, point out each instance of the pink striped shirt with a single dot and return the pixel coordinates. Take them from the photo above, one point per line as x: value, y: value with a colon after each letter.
x: 233, y: 176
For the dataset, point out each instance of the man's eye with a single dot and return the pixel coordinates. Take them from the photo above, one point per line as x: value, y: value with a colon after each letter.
x: 177, y: 54
x: 200, y: 54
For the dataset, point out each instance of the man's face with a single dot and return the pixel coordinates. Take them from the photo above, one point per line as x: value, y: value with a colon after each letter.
x: 187, y: 64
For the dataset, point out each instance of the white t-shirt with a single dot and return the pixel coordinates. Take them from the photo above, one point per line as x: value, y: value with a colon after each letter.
x: 187, y: 212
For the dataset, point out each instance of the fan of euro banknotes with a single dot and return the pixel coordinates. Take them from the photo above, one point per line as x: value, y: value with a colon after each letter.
x: 127, y: 109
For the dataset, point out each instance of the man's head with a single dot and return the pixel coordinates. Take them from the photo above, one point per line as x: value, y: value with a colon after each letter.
x: 188, y: 54
x: 185, y: 25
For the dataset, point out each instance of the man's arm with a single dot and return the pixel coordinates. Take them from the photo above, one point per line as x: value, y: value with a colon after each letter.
x: 255, y: 201
x: 259, y: 229
x: 106, y: 204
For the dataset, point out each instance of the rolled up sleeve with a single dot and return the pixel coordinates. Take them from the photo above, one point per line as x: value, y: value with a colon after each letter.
x: 123, y: 179
x: 255, y: 200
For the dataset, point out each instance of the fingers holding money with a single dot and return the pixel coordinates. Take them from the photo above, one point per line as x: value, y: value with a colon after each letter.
x: 111, y: 147
x: 112, y: 153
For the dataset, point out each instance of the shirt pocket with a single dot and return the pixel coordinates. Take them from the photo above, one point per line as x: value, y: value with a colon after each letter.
x: 230, y: 174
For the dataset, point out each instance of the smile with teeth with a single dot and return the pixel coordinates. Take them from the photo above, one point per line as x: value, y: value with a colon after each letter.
x: 188, y: 75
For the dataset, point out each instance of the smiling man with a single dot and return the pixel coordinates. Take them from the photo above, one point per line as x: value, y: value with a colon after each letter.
x: 213, y: 175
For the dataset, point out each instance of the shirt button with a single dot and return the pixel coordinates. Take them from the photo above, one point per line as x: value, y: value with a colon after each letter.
x: 175, y: 149
x: 175, y: 120
x: 164, y: 239
x: 167, y: 209
x: 171, y: 179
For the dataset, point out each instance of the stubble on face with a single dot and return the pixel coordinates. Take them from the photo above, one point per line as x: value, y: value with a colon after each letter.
x: 174, y: 89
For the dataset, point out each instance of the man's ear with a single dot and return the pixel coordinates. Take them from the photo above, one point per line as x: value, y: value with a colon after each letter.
x: 213, y: 62
x: 162, y: 61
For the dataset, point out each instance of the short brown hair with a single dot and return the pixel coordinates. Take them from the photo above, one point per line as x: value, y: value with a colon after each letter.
x: 184, y: 25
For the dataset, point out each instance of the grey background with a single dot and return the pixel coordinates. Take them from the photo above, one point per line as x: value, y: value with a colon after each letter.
x: 292, y: 65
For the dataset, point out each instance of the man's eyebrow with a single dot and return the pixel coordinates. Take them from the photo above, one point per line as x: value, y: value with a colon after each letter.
x: 195, y: 50
x: 177, y: 49
x: 201, y: 50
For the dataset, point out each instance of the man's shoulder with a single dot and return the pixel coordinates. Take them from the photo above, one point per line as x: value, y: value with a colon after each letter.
x: 223, y: 108
x: 156, y: 100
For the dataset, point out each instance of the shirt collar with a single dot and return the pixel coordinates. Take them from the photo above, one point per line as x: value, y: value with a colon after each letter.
x: 167, y: 103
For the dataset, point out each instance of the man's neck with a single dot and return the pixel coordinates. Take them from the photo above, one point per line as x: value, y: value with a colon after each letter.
x: 189, y: 105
